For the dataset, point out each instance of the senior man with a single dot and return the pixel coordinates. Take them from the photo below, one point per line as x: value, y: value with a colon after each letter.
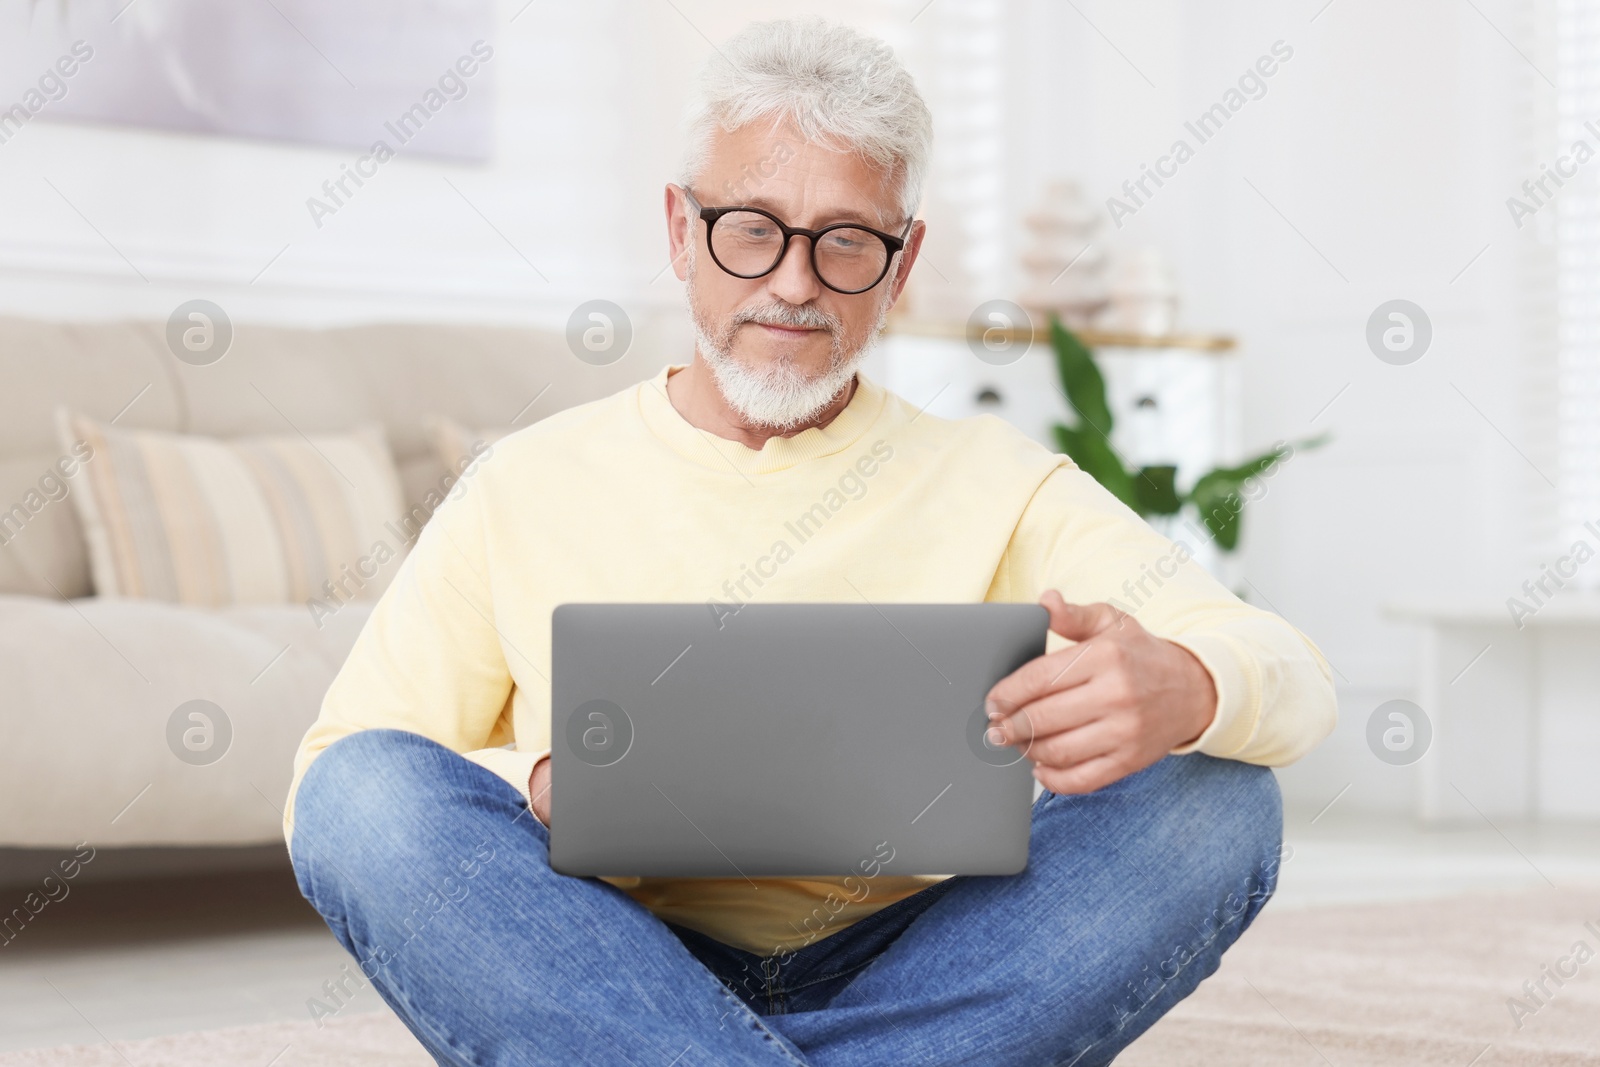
x: 422, y: 839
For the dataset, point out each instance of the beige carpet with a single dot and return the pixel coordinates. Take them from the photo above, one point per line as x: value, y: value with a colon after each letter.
x: 366, y: 1040
x: 1397, y: 985
x: 1414, y: 984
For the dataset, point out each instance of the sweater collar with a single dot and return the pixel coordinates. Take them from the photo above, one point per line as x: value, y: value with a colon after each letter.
x: 778, y: 453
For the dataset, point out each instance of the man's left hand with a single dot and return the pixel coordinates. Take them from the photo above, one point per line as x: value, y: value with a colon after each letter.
x: 1113, y: 703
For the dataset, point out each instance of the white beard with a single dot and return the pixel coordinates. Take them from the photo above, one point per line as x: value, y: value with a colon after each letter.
x: 777, y: 395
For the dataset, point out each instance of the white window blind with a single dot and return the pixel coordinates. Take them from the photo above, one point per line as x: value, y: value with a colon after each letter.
x: 1578, y: 274
x: 956, y: 50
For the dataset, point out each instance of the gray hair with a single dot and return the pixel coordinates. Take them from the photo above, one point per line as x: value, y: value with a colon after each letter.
x: 835, y: 84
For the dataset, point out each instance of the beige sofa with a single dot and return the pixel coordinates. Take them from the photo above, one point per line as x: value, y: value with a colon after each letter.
x: 89, y: 684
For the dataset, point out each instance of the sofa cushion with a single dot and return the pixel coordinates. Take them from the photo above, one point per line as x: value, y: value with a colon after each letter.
x: 94, y: 690
x: 208, y: 522
x: 277, y: 378
x: 41, y: 542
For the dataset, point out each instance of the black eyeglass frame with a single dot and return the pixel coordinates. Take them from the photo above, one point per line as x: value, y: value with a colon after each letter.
x: 893, y: 244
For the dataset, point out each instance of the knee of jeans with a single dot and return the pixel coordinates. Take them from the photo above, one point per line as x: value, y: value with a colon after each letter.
x: 362, y: 782
x: 1221, y: 820
x: 1244, y: 806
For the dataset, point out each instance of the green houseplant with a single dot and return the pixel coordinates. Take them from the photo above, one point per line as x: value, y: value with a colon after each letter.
x: 1218, y: 496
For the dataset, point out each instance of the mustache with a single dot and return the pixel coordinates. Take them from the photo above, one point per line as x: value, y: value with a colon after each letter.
x: 781, y: 314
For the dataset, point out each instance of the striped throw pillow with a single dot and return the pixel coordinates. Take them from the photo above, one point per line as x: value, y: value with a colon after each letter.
x: 209, y: 522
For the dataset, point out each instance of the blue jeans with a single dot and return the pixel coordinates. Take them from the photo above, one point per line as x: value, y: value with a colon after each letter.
x: 433, y: 874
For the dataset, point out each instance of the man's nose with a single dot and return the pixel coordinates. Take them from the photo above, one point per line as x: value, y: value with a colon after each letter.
x: 792, y: 280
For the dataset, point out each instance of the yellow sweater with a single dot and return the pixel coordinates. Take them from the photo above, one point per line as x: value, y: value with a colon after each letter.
x: 623, y: 500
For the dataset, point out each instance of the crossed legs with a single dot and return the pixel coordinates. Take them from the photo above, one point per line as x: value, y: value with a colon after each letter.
x: 432, y: 874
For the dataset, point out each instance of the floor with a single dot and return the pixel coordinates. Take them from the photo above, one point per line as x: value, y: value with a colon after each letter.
x: 136, y: 959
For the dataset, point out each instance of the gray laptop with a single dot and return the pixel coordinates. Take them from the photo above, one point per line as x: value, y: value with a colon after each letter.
x: 820, y: 740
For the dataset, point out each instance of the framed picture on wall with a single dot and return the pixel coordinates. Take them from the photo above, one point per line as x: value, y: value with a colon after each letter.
x: 416, y: 74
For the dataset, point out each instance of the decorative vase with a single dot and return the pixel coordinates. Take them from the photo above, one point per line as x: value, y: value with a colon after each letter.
x: 1142, y: 295
x: 1064, y: 265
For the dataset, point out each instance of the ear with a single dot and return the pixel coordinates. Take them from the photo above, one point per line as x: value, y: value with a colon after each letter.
x: 679, y: 228
x: 908, y: 256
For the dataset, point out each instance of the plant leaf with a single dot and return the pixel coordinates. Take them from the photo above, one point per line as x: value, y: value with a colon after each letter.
x: 1080, y: 379
x: 1217, y: 494
x: 1088, y: 443
x: 1099, y: 460
x: 1229, y: 479
x: 1157, y: 491
x: 1220, y: 508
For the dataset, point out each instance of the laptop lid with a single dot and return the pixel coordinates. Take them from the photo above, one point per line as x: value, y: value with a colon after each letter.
x: 819, y: 740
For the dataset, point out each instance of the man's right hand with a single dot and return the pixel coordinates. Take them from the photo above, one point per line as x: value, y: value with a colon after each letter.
x: 539, y: 790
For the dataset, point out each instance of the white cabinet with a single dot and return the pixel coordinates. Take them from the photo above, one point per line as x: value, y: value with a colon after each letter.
x: 1514, y: 711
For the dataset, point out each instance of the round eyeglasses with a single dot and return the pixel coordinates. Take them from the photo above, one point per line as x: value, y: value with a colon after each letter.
x: 749, y: 242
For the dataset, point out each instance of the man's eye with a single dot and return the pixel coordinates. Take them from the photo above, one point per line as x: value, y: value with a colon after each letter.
x: 844, y: 241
